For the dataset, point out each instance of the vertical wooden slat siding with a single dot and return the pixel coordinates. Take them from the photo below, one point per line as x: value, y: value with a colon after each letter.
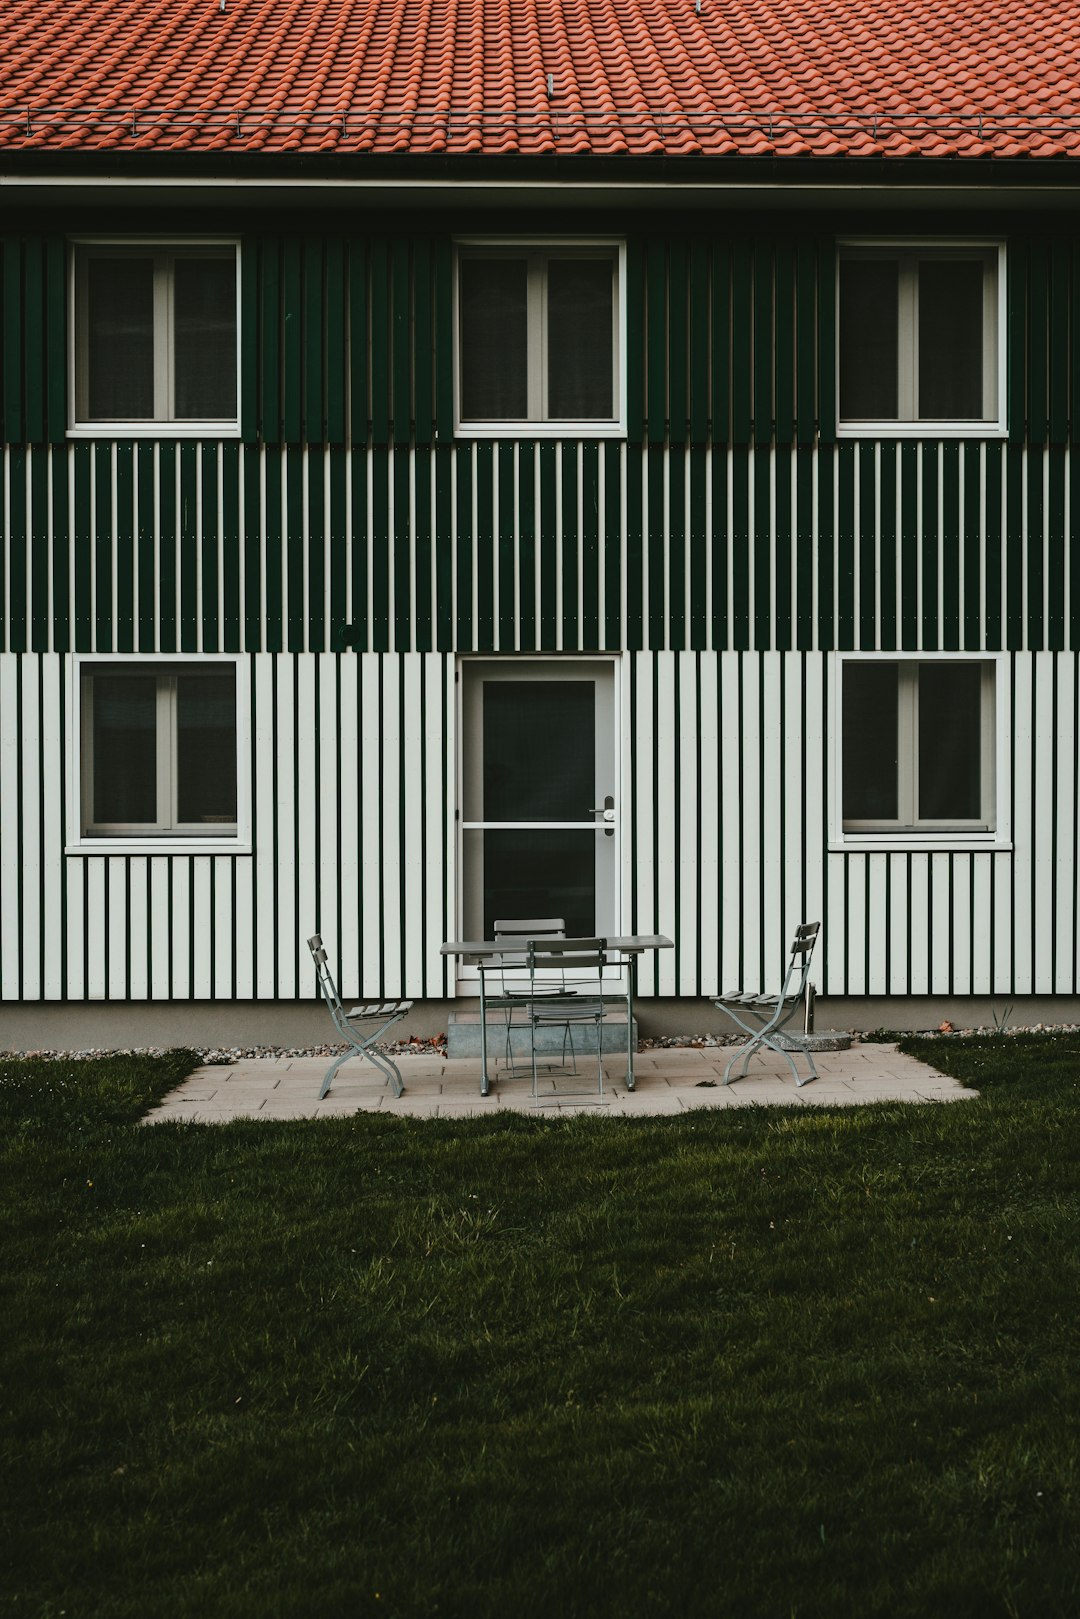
x: 313, y: 340
x: 270, y: 322
x: 764, y: 345
x: 423, y: 343
x: 359, y: 348
x: 1037, y: 341
x: 698, y: 311
x: 729, y: 576
x: 401, y: 340
x: 935, y: 546
x: 784, y: 343
x: 336, y: 336
x: 12, y: 289
x: 55, y: 339
x: 379, y: 341
x: 741, y: 336
x: 292, y: 342
x: 677, y: 340
x: 249, y: 340
x: 730, y: 762
x: 656, y: 342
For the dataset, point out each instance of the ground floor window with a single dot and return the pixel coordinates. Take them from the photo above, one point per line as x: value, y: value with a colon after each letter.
x: 917, y: 745
x: 159, y: 750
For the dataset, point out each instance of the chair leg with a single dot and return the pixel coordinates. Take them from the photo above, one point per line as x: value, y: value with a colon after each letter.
x: 332, y: 1070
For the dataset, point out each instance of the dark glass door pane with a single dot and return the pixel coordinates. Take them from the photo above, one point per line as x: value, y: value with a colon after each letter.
x: 540, y: 873
x: 869, y: 305
x: 539, y: 751
x: 950, y: 742
x: 206, y: 748
x: 494, y: 340
x: 120, y: 339
x: 580, y: 382
x: 204, y: 352
x: 951, y: 340
x: 125, y: 750
x: 870, y: 742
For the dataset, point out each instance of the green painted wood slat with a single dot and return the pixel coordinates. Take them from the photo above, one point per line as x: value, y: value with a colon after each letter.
x: 314, y: 343
x: 292, y: 342
x: 12, y: 286
x: 270, y: 340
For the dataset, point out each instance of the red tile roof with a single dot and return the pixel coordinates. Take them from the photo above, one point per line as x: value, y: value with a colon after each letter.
x: 786, y: 78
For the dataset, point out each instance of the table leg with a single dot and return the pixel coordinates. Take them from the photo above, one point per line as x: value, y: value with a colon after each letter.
x: 485, y: 1082
x: 630, y: 986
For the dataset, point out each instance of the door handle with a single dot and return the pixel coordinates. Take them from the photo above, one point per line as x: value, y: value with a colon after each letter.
x: 607, y: 810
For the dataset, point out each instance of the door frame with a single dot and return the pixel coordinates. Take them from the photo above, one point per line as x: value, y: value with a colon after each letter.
x: 468, y: 977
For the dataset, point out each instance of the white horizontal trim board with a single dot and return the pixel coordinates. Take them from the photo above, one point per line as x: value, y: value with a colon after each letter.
x: 725, y: 842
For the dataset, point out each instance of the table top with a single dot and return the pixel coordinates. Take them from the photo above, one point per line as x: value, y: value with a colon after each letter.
x: 631, y: 943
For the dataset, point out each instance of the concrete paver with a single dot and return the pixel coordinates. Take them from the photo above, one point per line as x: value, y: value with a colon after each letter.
x: 669, y: 1081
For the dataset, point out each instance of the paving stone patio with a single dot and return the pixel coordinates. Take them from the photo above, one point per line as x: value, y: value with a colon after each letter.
x: 669, y: 1081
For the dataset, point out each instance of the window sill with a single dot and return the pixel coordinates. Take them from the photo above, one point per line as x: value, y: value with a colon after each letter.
x: 158, y: 845
x: 917, y: 430
x: 154, y: 430
x: 539, y: 430
x: 914, y: 843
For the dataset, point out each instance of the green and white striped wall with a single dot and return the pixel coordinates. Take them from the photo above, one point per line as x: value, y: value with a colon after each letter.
x: 724, y: 841
x: 552, y: 547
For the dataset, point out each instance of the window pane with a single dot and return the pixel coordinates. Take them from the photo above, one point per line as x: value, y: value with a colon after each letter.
x: 539, y: 752
x: 871, y: 756
x: 494, y: 340
x: 206, y: 748
x: 120, y: 339
x: 951, y: 340
x: 869, y: 335
x: 204, y: 354
x: 125, y: 750
x: 541, y: 873
x: 950, y: 731
x: 580, y: 293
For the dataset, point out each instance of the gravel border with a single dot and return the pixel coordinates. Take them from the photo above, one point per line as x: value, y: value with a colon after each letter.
x: 435, y: 1045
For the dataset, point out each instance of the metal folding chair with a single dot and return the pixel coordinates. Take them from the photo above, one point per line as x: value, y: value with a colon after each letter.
x: 505, y: 977
x: 768, y: 1014
x: 581, y: 1001
x: 361, y: 1027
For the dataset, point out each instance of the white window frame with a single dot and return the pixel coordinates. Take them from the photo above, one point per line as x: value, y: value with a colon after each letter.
x: 135, y: 839
x: 993, y: 830
x: 538, y: 251
x: 164, y: 250
x: 909, y: 251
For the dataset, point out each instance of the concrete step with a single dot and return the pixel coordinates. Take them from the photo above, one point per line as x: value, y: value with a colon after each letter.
x: 463, y: 1034
x: 820, y: 1040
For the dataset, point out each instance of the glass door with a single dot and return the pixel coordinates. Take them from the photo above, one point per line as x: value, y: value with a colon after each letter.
x: 539, y: 811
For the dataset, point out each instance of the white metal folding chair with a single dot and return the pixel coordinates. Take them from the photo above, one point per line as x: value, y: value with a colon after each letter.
x: 589, y: 971
x: 361, y: 1027
x: 768, y: 1014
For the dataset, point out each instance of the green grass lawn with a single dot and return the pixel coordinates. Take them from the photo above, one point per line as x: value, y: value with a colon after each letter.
x: 748, y: 1363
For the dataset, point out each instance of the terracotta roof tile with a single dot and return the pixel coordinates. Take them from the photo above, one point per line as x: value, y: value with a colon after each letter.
x: 970, y: 78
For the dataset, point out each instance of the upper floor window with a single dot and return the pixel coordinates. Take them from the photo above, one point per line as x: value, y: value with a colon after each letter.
x: 155, y: 337
x: 538, y: 338
x: 919, y: 339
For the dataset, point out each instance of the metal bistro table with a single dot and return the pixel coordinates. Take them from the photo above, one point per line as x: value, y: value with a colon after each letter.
x: 627, y: 944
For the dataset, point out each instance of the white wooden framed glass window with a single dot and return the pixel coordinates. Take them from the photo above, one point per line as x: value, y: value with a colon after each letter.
x: 161, y: 753
x: 538, y: 338
x: 920, y: 339
x: 156, y: 338
x: 919, y: 758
